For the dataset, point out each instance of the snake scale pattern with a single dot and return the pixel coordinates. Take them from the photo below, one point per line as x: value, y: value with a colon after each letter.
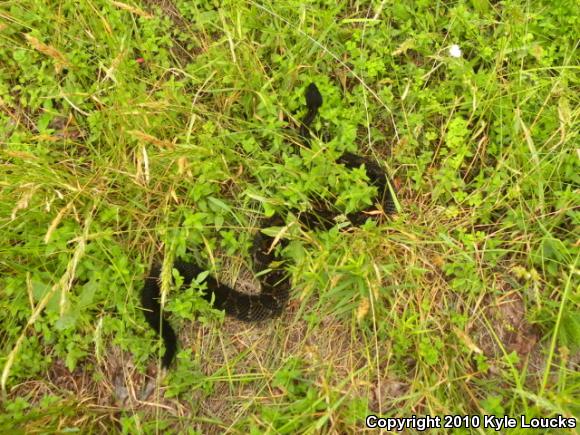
x: 274, y: 280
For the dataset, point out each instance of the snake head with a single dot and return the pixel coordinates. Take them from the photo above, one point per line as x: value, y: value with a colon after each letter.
x: 313, y: 97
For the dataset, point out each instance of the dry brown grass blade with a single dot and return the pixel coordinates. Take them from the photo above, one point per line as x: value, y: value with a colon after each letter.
x: 48, y: 50
x: 132, y: 9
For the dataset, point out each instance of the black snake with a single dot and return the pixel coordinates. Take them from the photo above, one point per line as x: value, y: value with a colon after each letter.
x: 274, y: 281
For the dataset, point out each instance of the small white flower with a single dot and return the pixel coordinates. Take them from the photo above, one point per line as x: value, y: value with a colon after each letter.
x: 455, y: 51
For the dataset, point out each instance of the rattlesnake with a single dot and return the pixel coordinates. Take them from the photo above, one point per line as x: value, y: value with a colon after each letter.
x: 274, y: 280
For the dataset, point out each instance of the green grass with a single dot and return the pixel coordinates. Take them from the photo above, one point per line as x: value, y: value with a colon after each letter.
x: 465, y: 303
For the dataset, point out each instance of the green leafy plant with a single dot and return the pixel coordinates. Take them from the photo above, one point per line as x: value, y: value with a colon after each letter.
x: 135, y: 130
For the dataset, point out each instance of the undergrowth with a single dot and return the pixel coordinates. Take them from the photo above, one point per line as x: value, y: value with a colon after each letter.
x: 130, y: 131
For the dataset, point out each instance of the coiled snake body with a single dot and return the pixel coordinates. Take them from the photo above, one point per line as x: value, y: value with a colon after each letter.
x: 275, y: 281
